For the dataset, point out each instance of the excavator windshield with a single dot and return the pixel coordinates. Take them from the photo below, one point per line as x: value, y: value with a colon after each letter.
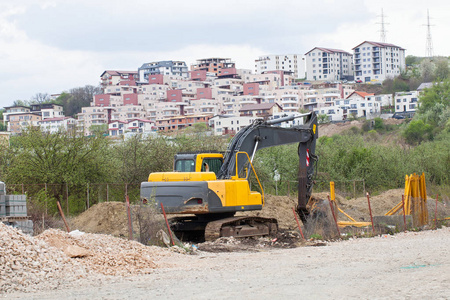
x: 185, y: 165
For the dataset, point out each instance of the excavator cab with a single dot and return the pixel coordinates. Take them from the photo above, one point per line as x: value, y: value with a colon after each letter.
x: 198, y: 162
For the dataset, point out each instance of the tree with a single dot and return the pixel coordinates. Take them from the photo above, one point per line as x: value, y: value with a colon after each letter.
x: 40, y: 98
x: 417, y: 131
x: 411, y: 60
x: 437, y: 93
x: 80, y: 97
x: 21, y: 103
x: 442, y: 70
x: 427, y: 70
x: 322, y: 119
x: 58, y: 158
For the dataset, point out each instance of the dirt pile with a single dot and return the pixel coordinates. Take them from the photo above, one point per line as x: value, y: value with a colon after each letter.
x: 337, y: 128
x: 104, y: 254
x: 106, y: 217
x: 26, y: 262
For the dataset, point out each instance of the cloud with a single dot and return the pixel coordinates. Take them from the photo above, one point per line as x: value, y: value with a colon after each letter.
x: 53, y: 45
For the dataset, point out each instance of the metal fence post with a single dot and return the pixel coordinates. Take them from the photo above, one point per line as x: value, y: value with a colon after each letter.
x: 67, y: 198
x: 87, y: 196
x: 107, y: 192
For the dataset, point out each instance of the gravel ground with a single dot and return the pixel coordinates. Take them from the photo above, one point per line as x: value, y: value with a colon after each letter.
x: 413, y: 265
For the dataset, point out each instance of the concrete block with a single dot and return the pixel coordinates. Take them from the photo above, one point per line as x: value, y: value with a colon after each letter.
x: 25, y: 226
x: 2, y: 188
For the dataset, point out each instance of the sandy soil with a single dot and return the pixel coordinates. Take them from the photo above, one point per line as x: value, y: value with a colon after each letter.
x: 413, y: 265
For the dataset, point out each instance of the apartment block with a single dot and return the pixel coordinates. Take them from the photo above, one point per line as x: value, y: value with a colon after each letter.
x: 144, y: 126
x: 376, y: 61
x: 113, y: 77
x: 19, y: 117
x: 290, y: 63
x: 352, y: 107
x: 213, y: 65
x: 327, y: 64
x: 57, y: 124
x: 169, y: 67
x: 229, y: 124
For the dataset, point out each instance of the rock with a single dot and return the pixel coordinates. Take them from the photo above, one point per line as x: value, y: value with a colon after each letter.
x: 76, y: 251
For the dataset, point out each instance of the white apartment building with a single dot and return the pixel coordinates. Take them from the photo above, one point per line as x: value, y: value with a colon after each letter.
x: 133, y: 126
x: 171, y: 68
x: 383, y: 99
x: 57, y: 124
x: 226, y: 124
x: 346, y: 108
x: 328, y: 64
x: 406, y: 102
x: 376, y: 61
x: 293, y: 63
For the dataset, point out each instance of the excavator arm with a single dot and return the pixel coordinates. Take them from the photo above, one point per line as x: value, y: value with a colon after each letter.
x: 264, y: 134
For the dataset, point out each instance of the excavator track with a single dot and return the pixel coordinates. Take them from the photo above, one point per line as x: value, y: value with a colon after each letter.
x: 240, y: 227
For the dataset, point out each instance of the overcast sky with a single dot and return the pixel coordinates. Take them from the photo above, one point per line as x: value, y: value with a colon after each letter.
x: 53, y: 46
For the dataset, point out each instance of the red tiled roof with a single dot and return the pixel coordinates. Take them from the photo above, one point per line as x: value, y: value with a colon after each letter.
x: 362, y: 94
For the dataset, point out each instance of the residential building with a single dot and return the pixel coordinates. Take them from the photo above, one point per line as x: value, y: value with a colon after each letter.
x: 136, y: 126
x: 57, y: 124
x: 14, y: 110
x: 376, y: 61
x: 19, y: 117
x: 293, y: 63
x: 406, y: 102
x: 18, y: 122
x: 181, y: 122
x: 327, y: 64
x: 111, y: 77
x: 169, y: 67
x: 229, y: 124
x: 48, y: 110
x: 263, y: 111
x: 351, y: 107
x: 213, y: 65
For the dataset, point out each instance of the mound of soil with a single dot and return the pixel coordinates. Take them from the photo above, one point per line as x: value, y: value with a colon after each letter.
x: 106, y: 217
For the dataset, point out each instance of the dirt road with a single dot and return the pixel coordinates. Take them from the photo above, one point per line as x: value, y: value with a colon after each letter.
x: 404, y: 266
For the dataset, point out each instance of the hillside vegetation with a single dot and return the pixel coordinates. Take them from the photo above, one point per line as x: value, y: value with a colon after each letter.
x: 376, y: 151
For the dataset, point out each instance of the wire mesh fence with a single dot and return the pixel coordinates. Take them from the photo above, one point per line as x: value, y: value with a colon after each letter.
x: 75, y: 198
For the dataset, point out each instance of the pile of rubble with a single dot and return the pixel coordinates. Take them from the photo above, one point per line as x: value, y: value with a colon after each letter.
x: 26, y: 262
x: 104, y: 254
x: 56, y: 258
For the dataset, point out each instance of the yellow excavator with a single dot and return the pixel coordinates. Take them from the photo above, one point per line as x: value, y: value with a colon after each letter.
x: 209, y: 188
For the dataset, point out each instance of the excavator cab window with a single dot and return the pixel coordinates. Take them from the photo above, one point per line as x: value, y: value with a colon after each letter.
x: 185, y: 165
x: 211, y: 165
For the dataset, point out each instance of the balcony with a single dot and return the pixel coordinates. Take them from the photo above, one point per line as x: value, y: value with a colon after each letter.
x: 208, y: 106
x: 249, y: 101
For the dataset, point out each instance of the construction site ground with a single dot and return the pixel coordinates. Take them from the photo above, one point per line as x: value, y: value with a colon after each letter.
x: 98, y: 262
x: 413, y: 265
